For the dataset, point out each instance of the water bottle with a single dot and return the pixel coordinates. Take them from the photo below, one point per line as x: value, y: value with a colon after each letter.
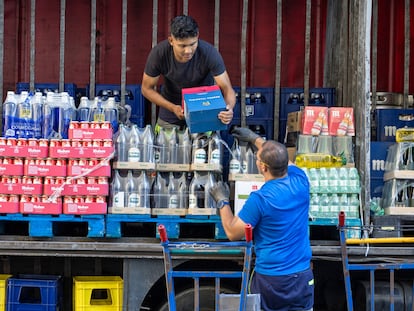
x: 111, y: 113
x: 10, y: 115
x: 343, y: 180
x: 159, y: 192
x: 84, y: 110
x: 183, y: 191
x: 334, y: 206
x: 344, y: 204
x: 121, y: 144
x: 148, y: 144
x: 37, y: 109
x: 199, y: 149
x: 173, y: 146
x: 134, y: 152
x: 185, y: 148
x: 132, y: 195
x: 251, y: 162
x: 173, y: 197
x: 313, y: 176
x: 333, y: 178
x: 324, y: 208
x: 314, y: 205
x: 215, y: 150
x: 209, y: 201
x: 69, y: 113
x: 235, y: 162
x: 144, y: 189
x: 323, y: 180
x: 47, y: 126
x: 161, y: 152
x: 354, y: 206
x: 98, y: 112
x: 117, y: 191
x: 196, y: 192
x: 25, y: 116
x: 353, y: 180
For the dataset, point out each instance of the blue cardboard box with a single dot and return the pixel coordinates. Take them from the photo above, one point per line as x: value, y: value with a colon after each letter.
x: 201, y: 108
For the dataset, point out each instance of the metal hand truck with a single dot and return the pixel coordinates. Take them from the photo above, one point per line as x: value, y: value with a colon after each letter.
x: 204, y: 248
x: 371, y: 267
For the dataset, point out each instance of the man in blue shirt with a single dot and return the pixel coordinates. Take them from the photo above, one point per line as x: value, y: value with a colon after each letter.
x: 278, y: 213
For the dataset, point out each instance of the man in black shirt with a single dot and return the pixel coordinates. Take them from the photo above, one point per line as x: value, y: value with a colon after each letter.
x: 184, y: 61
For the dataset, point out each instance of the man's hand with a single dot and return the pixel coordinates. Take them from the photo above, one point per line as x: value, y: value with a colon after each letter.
x: 245, y: 134
x: 226, y: 116
x: 220, y: 193
x: 178, y: 111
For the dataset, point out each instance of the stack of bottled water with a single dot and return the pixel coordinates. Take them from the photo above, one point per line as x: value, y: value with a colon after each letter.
x: 243, y: 159
x: 334, y: 190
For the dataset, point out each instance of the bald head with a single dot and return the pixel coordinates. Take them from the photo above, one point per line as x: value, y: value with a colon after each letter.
x: 275, y: 156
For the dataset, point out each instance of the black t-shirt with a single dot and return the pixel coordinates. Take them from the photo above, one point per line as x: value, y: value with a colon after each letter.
x: 199, y: 71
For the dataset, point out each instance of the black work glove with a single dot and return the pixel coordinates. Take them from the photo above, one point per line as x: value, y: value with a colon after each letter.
x: 220, y: 192
x: 244, y: 134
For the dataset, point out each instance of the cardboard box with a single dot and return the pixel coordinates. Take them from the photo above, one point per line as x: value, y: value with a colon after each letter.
x: 315, y: 121
x: 85, y: 208
x: 294, y: 121
x: 341, y: 121
x: 201, y: 107
x: 242, y: 192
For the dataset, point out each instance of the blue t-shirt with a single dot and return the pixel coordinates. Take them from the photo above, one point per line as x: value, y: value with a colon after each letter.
x: 278, y: 213
x: 198, y: 71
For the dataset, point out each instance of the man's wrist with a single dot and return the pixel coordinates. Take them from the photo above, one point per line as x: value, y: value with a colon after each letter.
x: 222, y: 203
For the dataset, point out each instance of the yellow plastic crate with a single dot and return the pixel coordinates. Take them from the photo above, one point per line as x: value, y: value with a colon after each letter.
x: 3, y: 288
x: 103, y: 293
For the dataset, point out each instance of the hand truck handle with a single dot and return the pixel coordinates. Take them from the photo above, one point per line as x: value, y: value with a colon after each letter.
x: 248, y: 232
x: 341, y: 219
x: 163, y: 233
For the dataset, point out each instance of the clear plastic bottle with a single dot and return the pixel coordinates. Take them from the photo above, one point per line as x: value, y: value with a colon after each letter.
x: 161, y: 150
x: 333, y: 178
x: 25, y: 114
x: 196, y: 192
x: 323, y: 180
x: 251, y: 161
x: 37, y: 108
x: 98, y: 113
x: 159, y: 192
x: 209, y: 201
x: 111, y: 113
x: 313, y: 176
x: 121, y: 144
x: 183, y: 190
x: 173, y: 146
x: 185, y: 148
x: 235, y: 162
x: 314, y: 205
x: 318, y: 160
x: 148, y: 144
x: 344, y: 203
x: 84, y: 110
x: 199, y: 149
x: 134, y: 142
x: 353, y: 180
x: 324, y: 205
x: 354, y: 206
x: 334, y: 206
x: 117, y: 190
x: 215, y: 149
x: 9, y: 115
x: 144, y: 189
x: 173, y: 195
x: 132, y: 194
x: 343, y: 180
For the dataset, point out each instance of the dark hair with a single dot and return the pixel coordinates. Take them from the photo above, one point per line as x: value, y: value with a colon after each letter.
x: 275, y: 156
x: 183, y: 27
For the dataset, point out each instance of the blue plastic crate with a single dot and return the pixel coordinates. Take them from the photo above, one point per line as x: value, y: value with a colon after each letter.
x: 34, y: 293
x: 133, y: 97
x: 379, y: 151
x: 46, y: 87
x: 389, y: 120
x: 259, y: 105
x: 376, y: 186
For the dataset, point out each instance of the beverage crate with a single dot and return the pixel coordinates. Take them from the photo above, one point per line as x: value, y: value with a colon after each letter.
x: 389, y: 120
x: 46, y: 87
x: 133, y: 98
x: 259, y: 105
x: 103, y: 293
x: 34, y: 293
x: 379, y: 151
x: 3, y: 291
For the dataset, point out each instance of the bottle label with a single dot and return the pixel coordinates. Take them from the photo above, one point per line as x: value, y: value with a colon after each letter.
x: 244, y: 167
x: 118, y: 199
x: 134, y: 155
x: 215, y: 156
x: 173, y: 202
x: 234, y: 167
x: 133, y: 200
x: 192, y: 201
x: 200, y: 156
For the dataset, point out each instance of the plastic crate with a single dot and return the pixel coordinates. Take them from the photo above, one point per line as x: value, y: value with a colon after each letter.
x: 260, y: 104
x: 103, y: 293
x: 3, y: 290
x: 133, y: 98
x: 34, y: 293
x: 379, y: 151
x: 46, y: 87
x: 389, y: 120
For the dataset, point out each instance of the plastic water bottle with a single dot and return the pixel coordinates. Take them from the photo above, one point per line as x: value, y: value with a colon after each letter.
x: 343, y: 180
x: 111, y: 113
x: 324, y: 205
x: 313, y: 176
x: 173, y: 197
x: 132, y: 194
x: 183, y: 191
x: 98, y: 113
x: 343, y: 203
x: 333, y: 178
x: 117, y: 191
x: 235, y: 162
x: 37, y: 110
x: 353, y: 180
x: 144, y: 189
x: 10, y: 115
x: 25, y: 116
x: 134, y: 152
x: 121, y: 144
x: 47, y: 127
x: 161, y: 152
x: 84, y: 110
x: 148, y: 144
x: 196, y: 192
x: 159, y: 192
x: 314, y: 205
x: 185, y: 148
x: 323, y: 180
x: 251, y: 161
x: 199, y: 149
x: 173, y: 146
x: 215, y: 149
x: 354, y: 206
x: 334, y: 206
